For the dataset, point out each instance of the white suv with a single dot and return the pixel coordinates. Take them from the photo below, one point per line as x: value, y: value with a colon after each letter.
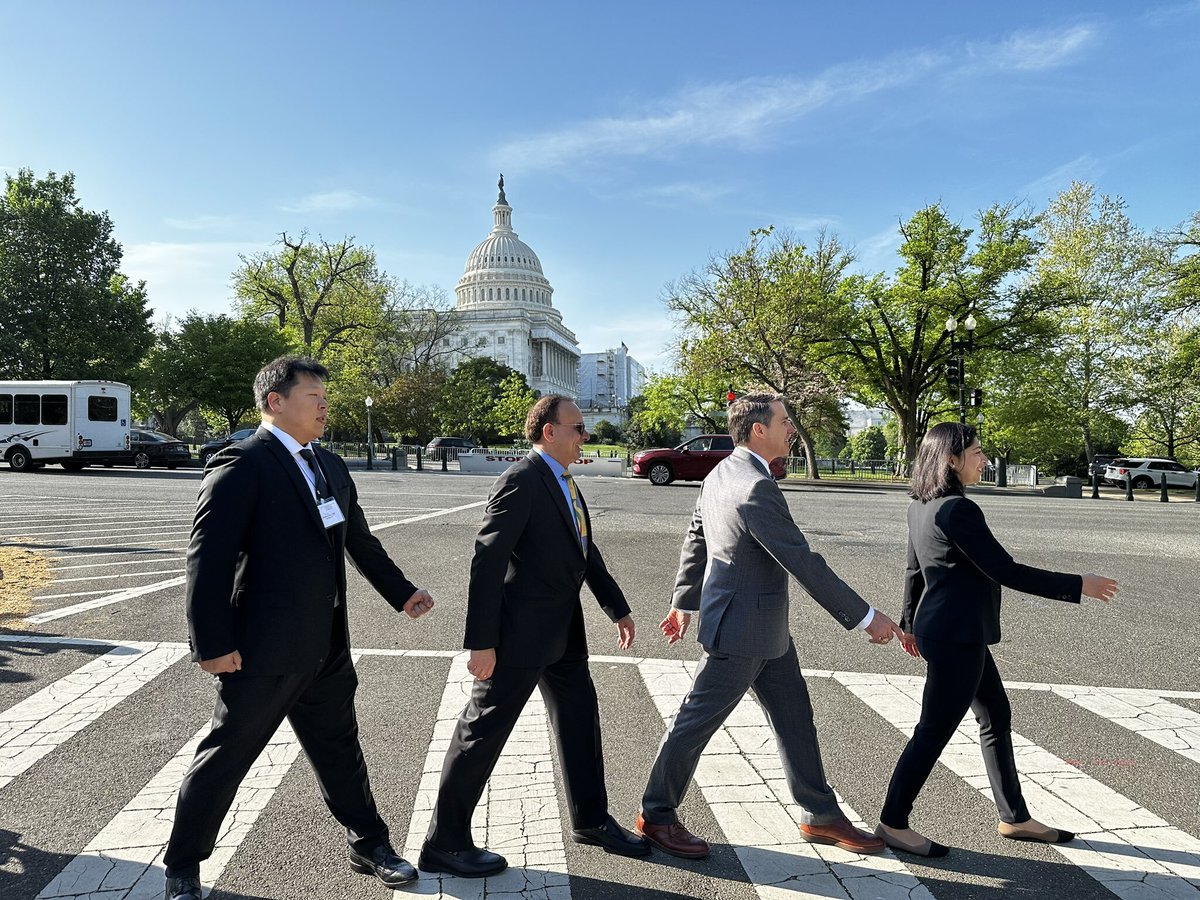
x: 1148, y: 473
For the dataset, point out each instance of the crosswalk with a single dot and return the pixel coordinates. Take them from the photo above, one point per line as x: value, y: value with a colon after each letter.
x: 1124, y: 849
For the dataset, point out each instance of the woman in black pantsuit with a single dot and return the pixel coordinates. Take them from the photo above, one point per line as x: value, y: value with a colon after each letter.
x: 951, y: 615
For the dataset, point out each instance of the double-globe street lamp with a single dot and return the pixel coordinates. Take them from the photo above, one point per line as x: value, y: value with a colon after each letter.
x: 956, y: 369
x: 370, y: 449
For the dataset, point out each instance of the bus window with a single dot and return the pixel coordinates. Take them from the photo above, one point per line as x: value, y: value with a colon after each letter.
x: 54, y: 409
x: 5, y: 409
x: 102, y: 409
x: 27, y: 409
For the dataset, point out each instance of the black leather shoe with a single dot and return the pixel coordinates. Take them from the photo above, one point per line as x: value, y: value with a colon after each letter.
x: 385, y: 864
x: 185, y: 888
x: 470, y: 863
x: 613, y: 838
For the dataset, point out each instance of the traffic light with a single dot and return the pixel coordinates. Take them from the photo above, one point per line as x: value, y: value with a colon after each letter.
x: 730, y: 396
x: 952, y: 375
x: 977, y: 397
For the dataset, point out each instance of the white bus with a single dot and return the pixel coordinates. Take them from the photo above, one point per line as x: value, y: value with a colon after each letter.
x: 73, y: 423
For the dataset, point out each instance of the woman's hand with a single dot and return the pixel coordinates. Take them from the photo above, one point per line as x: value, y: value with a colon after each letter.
x: 909, y: 643
x: 1099, y: 587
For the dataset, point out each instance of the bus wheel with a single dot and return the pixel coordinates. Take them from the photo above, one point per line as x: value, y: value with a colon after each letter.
x: 18, y: 460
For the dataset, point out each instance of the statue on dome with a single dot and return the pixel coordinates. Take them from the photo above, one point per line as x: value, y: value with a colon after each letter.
x: 502, y: 200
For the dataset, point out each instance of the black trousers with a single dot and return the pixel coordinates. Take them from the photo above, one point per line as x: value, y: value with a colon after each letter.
x: 484, y: 727
x: 320, y: 707
x: 960, y: 677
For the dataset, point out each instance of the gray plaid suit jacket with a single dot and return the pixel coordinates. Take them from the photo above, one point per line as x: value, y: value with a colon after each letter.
x: 740, y: 549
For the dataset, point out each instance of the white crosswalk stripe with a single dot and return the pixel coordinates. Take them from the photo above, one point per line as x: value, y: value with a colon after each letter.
x: 38, y: 724
x: 1128, y: 851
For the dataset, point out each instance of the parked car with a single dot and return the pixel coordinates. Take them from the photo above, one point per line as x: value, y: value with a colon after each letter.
x: 690, y: 461
x: 157, y: 448
x: 1100, y: 462
x: 453, y: 445
x: 208, y: 448
x: 1147, y: 472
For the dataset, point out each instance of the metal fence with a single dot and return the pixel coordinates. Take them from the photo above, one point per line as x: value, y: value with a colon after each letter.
x: 866, y: 470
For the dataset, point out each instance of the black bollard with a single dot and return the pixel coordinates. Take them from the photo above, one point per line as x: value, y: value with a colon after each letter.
x: 1163, y: 484
x: 1128, y: 486
x: 1198, y: 487
x: 444, y: 460
x: 419, y: 448
x: 395, y: 459
x: 1001, y: 471
x: 1095, y: 486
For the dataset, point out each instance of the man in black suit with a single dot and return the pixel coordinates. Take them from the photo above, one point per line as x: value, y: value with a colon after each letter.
x: 525, y: 630
x: 266, y: 608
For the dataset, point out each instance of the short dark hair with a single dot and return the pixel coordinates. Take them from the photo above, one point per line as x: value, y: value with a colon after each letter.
x: 932, y: 476
x: 280, y: 375
x: 746, y: 411
x: 541, y: 414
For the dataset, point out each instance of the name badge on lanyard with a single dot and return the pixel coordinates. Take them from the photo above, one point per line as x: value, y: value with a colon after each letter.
x: 331, y: 513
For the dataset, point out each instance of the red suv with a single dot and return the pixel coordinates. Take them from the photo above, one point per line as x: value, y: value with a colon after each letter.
x: 690, y: 461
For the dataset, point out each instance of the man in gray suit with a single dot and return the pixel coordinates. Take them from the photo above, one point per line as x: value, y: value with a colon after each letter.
x: 733, y: 570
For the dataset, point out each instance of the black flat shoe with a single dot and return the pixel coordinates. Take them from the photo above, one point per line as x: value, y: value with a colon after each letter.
x: 385, y: 864
x: 186, y: 887
x: 613, y: 838
x: 470, y: 863
x: 930, y: 849
x: 1052, y: 836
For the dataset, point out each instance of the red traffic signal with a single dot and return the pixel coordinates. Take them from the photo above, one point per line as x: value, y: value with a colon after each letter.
x: 731, y: 396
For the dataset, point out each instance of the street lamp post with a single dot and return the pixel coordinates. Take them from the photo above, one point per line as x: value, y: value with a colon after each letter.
x: 370, y: 448
x: 956, y: 371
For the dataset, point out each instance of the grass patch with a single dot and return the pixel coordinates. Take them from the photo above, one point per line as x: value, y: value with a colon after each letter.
x: 22, y: 572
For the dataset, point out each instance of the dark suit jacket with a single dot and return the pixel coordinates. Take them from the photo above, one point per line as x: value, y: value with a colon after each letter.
x: 262, y: 574
x: 528, y: 570
x: 955, y: 569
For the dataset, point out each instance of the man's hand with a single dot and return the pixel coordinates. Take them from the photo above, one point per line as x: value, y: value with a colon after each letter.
x: 909, y: 643
x: 482, y: 663
x: 625, y: 632
x: 418, y: 604
x: 230, y: 662
x: 882, y: 629
x: 675, y: 625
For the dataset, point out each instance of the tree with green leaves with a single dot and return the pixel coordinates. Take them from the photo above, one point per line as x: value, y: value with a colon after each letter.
x: 891, y: 345
x: 870, y: 443
x: 410, y: 405
x: 1177, y: 270
x: 69, y: 312
x: 1097, y: 267
x: 648, y: 427
x: 474, y: 391
x: 163, y: 387
x: 752, y: 319
x: 1164, y: 384
x: 220, y: 356
x: 606, y: 432
x: 326, y: 295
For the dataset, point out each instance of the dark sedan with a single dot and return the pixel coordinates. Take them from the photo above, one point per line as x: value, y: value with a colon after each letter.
x: 208, y: 448
x: 154, y: 448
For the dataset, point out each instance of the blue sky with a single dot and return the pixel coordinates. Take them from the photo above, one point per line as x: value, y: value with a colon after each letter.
x: 636, y: 138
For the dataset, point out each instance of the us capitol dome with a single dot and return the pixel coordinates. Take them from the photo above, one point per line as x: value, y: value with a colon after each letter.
x: 505, y: 302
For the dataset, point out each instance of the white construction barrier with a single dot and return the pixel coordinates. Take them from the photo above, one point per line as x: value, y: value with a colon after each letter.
x: 495, y: 463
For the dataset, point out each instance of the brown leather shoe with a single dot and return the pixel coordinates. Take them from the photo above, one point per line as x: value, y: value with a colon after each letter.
x: 673, y: 839
x: 842, y: 834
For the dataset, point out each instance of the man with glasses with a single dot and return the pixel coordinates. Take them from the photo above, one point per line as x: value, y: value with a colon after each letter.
x: 524, y: 630
x: 733, y: 571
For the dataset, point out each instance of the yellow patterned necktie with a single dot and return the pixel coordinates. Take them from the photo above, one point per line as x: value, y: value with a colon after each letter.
x: 577, y: 508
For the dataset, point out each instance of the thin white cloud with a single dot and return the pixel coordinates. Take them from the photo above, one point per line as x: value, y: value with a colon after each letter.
x: 181, y: 277
x: 1036, y: 50
x: 201, y: 223
x: 742, y: 112
x: 1081, y: 168
x: 331, y: 202
x: 694, y: 193
x: 878, y: 252
x: 1171, y: 13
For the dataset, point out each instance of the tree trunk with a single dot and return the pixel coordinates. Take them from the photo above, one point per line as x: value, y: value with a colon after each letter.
x: 810, y: 455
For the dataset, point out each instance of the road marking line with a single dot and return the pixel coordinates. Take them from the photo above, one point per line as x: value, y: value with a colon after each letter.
x: 1143, y: 712
x: 741, y: 777
x: 35, y: 726
x: 125, y: 858
x: 166, y: 549
x: 1127, y: 849
x: 88, y: 565
x: 118, y: 575
x: 118, y: 597
x: 432, y: 515
x: 518, y: 815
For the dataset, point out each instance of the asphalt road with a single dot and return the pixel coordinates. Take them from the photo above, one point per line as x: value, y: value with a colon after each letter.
x: 115, y: 540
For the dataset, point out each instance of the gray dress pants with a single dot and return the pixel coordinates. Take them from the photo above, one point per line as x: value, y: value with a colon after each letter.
x: 721, y: 682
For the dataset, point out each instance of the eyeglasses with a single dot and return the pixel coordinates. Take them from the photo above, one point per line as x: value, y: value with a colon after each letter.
x: 578, y: 426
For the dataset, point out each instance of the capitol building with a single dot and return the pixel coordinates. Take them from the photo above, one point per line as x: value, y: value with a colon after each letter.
x: 506, y: 306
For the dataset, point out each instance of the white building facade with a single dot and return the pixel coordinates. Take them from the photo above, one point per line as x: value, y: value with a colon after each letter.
x: 505, y: 301
x: 607, y: 381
